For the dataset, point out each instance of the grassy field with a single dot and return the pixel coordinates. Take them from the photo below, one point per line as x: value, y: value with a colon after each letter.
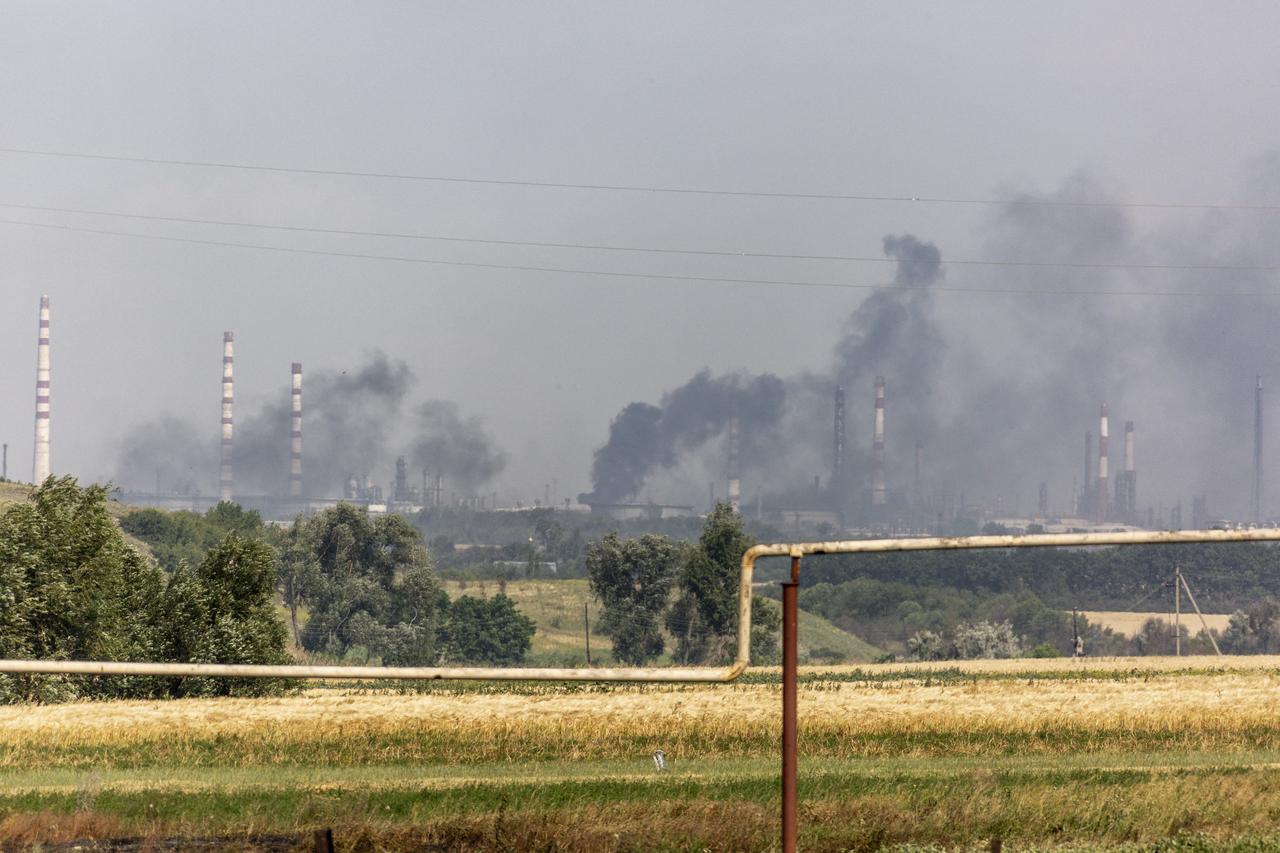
x: 13, y: 492
x: 1129, y: 624
x: 1125, y: 754
x: 556, y: 607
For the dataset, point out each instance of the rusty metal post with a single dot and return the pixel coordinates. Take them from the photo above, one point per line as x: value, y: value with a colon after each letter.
x: 790, y: 620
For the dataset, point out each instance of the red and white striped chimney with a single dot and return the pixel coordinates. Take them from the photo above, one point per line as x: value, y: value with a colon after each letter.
x: 228, y: 400
x: 40, y: 457
x: 295, y: 434
x: 878, y: 491
x: 1100, y: 509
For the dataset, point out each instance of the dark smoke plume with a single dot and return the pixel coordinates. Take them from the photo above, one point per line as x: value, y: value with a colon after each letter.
x: 348, y: 420
x: 352, y: 421
x: 166, y: 455
x: 644, y: 438
x: 785, y: 427
x: 456, y: 448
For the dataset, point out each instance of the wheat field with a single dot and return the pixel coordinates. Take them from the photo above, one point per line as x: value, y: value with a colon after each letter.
x: 1104, y: 752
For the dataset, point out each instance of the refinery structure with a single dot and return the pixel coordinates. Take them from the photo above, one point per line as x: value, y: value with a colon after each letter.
x: 875, y: 500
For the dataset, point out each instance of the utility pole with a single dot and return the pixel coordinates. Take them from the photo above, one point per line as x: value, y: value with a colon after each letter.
x: 586, y: 622
x: 1177, y: 610
x: 1203, y: 624
x: 5, y: 474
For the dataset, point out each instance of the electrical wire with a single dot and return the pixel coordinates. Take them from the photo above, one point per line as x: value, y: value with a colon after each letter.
x: 762, y: 282
x: 604, y: 247
x: 636, y: 188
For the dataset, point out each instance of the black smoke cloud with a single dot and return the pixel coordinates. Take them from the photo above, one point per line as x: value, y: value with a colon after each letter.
x: 785, y: 427
x: 999, y: 388
x: 456, y: 447
x: 644, y: 438
x: 352, y: 422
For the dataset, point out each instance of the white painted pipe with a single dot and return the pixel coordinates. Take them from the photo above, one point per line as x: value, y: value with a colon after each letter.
x: 643, y: 674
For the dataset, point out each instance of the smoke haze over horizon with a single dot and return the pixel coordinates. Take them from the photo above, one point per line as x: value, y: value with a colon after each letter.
x: 623, y: 384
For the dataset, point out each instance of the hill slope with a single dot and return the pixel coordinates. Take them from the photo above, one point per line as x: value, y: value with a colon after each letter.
x: 556, y: 607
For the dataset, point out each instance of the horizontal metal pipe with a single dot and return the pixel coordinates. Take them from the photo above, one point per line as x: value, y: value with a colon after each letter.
x: 1038, y: 540
x: 643, y: 674
x: 357, y: 673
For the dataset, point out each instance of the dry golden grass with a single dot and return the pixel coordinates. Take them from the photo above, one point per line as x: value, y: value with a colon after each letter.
x: 1116, y: 704
x: 1094, y: 752
x: 1129, y: 624
x: 1086, y: 665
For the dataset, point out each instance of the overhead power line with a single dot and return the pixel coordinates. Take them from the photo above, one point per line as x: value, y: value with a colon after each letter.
x: 940, y: 289
x: 1019, y: 201
x: 607, y: 247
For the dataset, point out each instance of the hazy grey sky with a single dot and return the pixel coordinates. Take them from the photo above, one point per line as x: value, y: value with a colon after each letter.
x: 1156, y: 101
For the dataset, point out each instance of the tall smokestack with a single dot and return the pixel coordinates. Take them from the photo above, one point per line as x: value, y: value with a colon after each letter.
x: 1100, y: 507
x: 295, y: 434
x: 40, y: 460
x: 1257, y: 451
x: 735, y: 484
x: 228, y: 399
x: 837, y: 457
x: 878, y: 495
x: 1089, y: 463
x: 1130, y: 506
x: 916, y: 498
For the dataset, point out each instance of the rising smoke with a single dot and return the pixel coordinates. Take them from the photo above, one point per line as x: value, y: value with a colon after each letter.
x: 353, y: 421
x: 999, y: 388
x: 644, y: 438
x: 456, y: 447
x: 166, y: 455
x: 784, y: 426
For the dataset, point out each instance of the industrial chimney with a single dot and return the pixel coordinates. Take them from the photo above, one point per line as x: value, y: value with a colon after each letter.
x: 228, y: 399
x: 1257, y: 452
x: 735, y: 484
x: 40, y: 460
x: 837, y: 458
x: 878, y: 493
x: 1086, y: 491
x: 1100, y: 502
x: 1130, y: 505
x: 295, y: 434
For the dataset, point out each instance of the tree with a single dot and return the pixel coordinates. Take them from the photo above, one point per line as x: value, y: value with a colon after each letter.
x: 704, y: 618
x: 350, y: 570
x: 177, y: 536
x: 926, y: 645
x: 298, y: 574
x: 986, y: 640
x: 72, y: 588
x: 223, y: 612
x: 632, y: 578
x: 486, y: 631
x: 369, y: 584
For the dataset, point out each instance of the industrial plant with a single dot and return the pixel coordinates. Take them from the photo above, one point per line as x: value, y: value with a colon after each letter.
x: 871, y: 496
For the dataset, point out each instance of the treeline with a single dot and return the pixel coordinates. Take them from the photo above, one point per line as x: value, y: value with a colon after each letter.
x: 1225, y: 577
x: 495, y: 541
x: 357, y: 589
x: 941, y: 623
x: 652, y: 583
x: 72, y: 588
